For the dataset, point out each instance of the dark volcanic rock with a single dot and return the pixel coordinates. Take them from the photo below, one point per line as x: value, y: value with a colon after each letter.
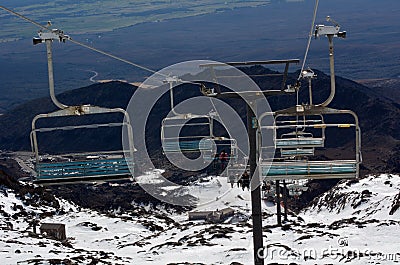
x: 396, y: 204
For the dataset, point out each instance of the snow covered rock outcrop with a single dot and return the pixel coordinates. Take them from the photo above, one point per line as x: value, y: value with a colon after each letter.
x: 357, y: 222
x: 374, y: 197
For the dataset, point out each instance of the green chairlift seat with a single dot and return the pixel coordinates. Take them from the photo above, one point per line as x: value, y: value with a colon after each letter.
x: 310, y: 169
x: 297, y: 152
x: 291, y: 143
x: 187, y: 146
x: 78, y: 168
x: 84, y: 167
x: 82, y: 171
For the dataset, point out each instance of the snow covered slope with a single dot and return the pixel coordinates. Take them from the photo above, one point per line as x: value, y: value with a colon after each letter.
x: 357, y: 222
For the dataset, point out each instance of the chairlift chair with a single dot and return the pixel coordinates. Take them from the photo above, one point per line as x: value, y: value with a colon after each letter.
x: 173, y: 142
x: 83, y: 167
x: 296, y: 187
x: 201, y: 136
x: 299, y: 141
x: 205, y: 143
x: 235, y: 169
x: 280, y: 169
x: 269, y: 191
x: 295, y: 144
x: 225, y: 144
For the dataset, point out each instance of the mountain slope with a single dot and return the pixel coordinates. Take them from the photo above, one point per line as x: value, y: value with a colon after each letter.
x: 16, y: 124
x: 378, y: 118
x: 347, y: 224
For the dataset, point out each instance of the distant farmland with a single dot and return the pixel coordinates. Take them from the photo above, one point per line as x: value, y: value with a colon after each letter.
x: 89, y: 16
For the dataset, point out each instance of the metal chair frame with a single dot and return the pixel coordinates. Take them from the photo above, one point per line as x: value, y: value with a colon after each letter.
x: 194, y: 143
x: 304, y: 169
x: 81, y: 167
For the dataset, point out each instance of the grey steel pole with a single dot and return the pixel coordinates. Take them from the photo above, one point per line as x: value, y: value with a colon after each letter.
x: 278, y: 203
x: 332, y: 72
x: 51, y: 75
x: 285, y: 201
x: 310, y: 91
x: 255, y: 191
x: 171, y: 94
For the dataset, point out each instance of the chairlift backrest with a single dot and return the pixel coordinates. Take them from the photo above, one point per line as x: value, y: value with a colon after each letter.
x: 297, y: 146
x: 199, y: 140
x: 83, y: 167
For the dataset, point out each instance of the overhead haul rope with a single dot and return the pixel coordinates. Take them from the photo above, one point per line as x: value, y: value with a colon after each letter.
x: 81, y: 44
x: 223, y: 124
x: 90, y: 47
x: 306, y: 52
x: 215, y: 108
x: 109, y: 55
x: 309, y: 38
